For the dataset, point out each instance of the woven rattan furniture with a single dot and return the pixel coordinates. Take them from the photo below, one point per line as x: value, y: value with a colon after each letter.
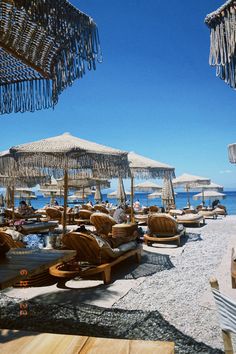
x: 192, y: 219
x: 103, y: 223
x: 208, y: 214
x: 153, y: 209
x: 94, y: 251
x: 83, y: 217
x: 123, y: 230
x: 101, y: 208
x: 163, y: 228
x: 54, y: 214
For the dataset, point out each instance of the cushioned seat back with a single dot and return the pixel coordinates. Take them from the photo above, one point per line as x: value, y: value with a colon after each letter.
x: 84, y: 214
x: 102, y: 222
x: 153, y: 209
x: 101, y: 208
x: 88, y: 248
x: 7, y: 242
x: 54, y: 214
x: 162, y: 224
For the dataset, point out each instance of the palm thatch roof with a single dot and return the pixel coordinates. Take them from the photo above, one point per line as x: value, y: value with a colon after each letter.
x: 222, y: 24
x: 67, y: 152
x: 144, y: 167
x: 147, y: 186
x: 44, y: 47
x: 22, y: 181
x: 209, y: 195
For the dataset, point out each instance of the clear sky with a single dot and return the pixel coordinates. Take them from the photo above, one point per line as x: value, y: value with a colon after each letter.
x: 154, y: 93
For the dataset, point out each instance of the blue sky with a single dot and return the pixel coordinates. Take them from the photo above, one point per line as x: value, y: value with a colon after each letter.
x: 154, y: 93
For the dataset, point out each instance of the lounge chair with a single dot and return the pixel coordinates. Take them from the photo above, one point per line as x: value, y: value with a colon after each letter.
x: 7, y: 242
x: 208, y: 214
x: 227, y: 313
x: 163, y: 228
x: 101, y: 209
x: 103, y: 223
x: 83, y: 217
x: 190, y: 218
x: 54, y: 214
x: 154, y: 209
x: 97, y: 253
x: 220, y: 210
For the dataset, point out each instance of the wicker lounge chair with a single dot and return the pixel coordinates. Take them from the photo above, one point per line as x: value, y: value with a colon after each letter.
x: 103, y: 223
x: 7, y: 242
x: 190, y: 218
x: 208, y: 214
x: 220, y: 210
x: 101, y: 209
x: 83, y: 217
x: 54, y: 214
x: 163, y: 228
x: 97, y: 253
x: 154, y: 209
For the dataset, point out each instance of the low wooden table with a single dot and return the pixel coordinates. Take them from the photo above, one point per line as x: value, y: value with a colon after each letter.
x: 24, y: 342
x: 20, y: 263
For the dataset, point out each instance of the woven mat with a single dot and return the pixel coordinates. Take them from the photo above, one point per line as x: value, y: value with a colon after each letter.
x: 151, y: 263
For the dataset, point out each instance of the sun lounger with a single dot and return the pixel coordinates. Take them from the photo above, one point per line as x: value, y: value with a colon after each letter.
x: 97, y: 253
x: 103, y: 223
x: 208, y: 214
x: 101, y: 208
x: 190, y: 219
x: 163, y: 228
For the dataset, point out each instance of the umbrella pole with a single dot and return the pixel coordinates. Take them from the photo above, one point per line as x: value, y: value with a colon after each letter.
x: 132, y: 199
x: 203, y: 200
x: 188, y: 198
x: 83, y: 194
x: 65, y: 202
x: 13, y: 203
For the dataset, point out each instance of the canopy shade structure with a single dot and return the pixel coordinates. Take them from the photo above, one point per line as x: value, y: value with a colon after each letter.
x: 212, y: 186
x: 114, y: 194
x: 79, y: 183
x: 143, y: 167
x: 210, y: 195
x: 154, y: 195
x: 168, y: 196
x: 147, y: 186
x: 222, y: 24
x: 189, y: 181
x: 44, y: 47
x: 232, y: 153
x: 22, y: 181
x: 67, y: 152
x: 121, y: 196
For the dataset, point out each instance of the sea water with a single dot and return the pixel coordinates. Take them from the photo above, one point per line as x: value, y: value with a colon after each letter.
x: 181, y: 201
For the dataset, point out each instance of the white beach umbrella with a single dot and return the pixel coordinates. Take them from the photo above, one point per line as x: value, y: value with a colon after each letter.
x: 211, y: 186
x: 210, y: 195
x: 113, y: 195
x: 66, y: 153
x: 154, y: 195
x: 147, y: 186
x: 143, y: 167
x: 189, y: 181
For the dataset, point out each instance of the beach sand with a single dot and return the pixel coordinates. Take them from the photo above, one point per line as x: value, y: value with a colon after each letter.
x: 181, y: 294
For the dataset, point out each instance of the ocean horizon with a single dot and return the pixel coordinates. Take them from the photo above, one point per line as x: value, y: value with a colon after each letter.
x: 181, y: 200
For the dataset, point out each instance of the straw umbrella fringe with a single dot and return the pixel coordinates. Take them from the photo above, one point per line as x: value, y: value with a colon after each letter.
x: 44, y: 46
x: 223, y: 41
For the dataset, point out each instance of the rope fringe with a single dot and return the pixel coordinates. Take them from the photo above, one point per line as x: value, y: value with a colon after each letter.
x: 45, y: 47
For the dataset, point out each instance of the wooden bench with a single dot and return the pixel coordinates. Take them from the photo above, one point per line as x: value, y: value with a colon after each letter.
x: 22, y: 342
x: 105, y: 269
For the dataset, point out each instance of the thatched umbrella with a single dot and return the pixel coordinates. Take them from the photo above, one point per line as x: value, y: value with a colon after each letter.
x: 66, y: 153
x: 120, y: 195
x: 147, y: 186
x: 210, y: 195
x: 44, y: 47
x: 168, y: 196
x: 189, y: 181
x: 114, y: 195
x: 154, y: 195
x: 212, y: 187
x: 222, y: 24
x: 143, y: 167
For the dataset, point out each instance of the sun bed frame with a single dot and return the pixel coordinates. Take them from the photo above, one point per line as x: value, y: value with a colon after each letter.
x: 163, y: 228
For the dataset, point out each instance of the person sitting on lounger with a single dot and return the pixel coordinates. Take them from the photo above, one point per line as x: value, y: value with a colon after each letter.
x: 24, y: 209
x: 119, y: 214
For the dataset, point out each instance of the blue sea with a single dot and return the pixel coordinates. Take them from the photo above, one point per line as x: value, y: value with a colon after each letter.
x: 181, y: 201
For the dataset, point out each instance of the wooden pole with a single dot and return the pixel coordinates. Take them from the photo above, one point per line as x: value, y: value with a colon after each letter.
x: 132, y: 199
x: 188, y: 197
x: 65, y: 202
x: 13, y: 203
x: 225, y: 335
x: 83, y: 194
